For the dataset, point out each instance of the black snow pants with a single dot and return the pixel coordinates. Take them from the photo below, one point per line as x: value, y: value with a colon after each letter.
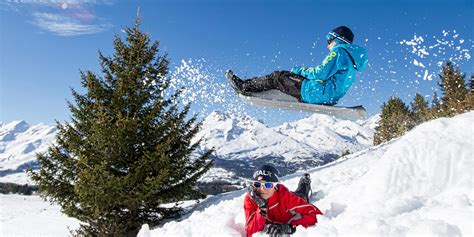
x: 284, y: 81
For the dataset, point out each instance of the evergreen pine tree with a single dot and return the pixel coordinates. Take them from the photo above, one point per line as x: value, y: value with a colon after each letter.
x: 127, y: 149
x: 435, y: 109
x: 469, y: 99
x: 454, y: 90
x: 395, y: 120
x: 471, y: 83
x: 420, y: 110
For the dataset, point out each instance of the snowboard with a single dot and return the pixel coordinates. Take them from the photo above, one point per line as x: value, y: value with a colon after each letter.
x: 277, y: 99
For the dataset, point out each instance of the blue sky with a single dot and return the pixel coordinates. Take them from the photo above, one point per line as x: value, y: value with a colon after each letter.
x: 44, y: 44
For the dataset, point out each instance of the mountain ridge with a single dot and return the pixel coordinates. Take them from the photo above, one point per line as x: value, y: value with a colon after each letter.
x: 241, y: 143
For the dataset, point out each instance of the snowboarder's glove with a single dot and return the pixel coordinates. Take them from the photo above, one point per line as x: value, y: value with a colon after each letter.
x: 261, y: 203
x: 295, y: 70
x: 275, y: 230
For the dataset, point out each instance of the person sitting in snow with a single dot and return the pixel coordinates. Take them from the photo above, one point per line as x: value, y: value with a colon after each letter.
x: 271, y: 207
x: 324, y: 84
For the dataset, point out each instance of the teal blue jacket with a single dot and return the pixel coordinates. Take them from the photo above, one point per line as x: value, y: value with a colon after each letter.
x: 329, y: 81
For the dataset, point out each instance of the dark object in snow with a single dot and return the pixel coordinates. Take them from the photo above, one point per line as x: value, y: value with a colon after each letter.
x: 304, y: 187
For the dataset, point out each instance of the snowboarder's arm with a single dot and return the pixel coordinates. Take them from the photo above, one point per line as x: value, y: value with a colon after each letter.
x: 323, y: 71
x: 255, y: 222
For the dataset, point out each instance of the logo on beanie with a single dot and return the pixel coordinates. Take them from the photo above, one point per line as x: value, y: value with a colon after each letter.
x: 262, y: 172
x: 266, y: 173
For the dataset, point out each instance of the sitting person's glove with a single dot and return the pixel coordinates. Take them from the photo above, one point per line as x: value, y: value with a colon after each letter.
x: 261, y: 203
x: 275, y: 230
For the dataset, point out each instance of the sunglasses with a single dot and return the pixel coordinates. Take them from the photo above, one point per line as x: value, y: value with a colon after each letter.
x: 330, y: 40
x: 266, y: 185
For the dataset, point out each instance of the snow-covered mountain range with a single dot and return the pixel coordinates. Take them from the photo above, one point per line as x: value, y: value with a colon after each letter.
x: 240, y: 143
x: 19, y: 144
x: 417, y: 185
x: 243, y: 143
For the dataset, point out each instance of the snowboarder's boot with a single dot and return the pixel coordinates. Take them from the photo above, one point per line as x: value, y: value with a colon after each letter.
x: 235, y: 82
x: 304, y: 187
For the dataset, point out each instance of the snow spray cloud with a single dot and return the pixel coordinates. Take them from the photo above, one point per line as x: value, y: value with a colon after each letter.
x: 403, y: 67
x: 204, y: 87
x: 397, y: 67
x: 429, y: 52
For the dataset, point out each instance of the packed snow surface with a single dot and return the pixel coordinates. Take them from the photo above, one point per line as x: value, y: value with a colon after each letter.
x: 31, y: 216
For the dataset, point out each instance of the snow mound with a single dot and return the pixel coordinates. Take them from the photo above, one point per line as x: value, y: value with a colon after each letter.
x: 435, y: 165
x: 419, y: 184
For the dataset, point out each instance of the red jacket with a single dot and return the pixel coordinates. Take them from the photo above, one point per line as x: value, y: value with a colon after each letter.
x: 284, y: 207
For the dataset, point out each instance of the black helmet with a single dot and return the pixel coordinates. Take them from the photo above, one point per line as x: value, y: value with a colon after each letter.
x: 342, y: 33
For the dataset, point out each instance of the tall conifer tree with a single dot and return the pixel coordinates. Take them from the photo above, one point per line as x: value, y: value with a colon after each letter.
x: 452, y: 84
x: 469, y: 99
x: 127, y: 149
x: 435, y: 109
x: 420, y: 109
x: 395, y: 120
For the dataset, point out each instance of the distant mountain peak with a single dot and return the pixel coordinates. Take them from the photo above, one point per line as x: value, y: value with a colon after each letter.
x: 16, y: 126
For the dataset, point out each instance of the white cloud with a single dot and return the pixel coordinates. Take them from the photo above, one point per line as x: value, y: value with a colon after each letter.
x: 62, y: 17
x: 66, y: 26
x: 56, y: 2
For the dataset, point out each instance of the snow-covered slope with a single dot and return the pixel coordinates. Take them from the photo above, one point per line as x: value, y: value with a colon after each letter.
x: 417, y: 185
x: 19, y: 143
x: 420, y: 184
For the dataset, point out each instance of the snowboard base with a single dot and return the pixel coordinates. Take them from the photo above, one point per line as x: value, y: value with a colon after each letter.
x: 277, y: 99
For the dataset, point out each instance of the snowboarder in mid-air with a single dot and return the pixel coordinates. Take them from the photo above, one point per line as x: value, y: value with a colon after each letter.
x: 324, y: 84
x: 271, y: 207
